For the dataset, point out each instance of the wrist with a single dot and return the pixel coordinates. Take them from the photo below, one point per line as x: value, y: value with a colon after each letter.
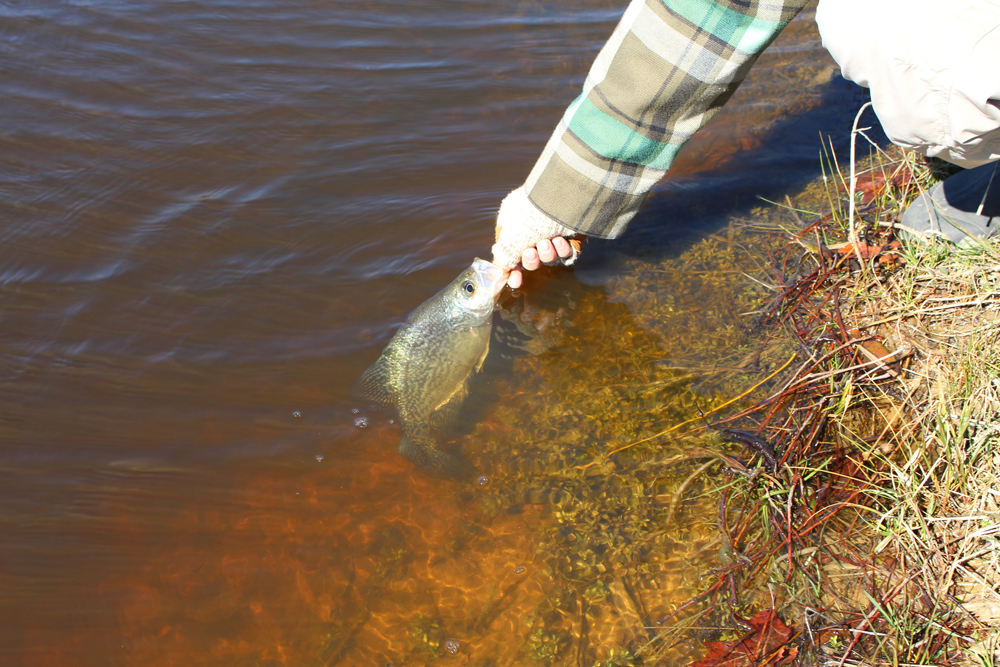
x: 521, y: 225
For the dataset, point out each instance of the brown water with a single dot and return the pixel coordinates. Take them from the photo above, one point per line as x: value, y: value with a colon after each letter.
x: 212, y: 217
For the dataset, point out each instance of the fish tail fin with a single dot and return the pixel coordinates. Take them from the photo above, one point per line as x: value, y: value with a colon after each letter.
x: 424, y: 451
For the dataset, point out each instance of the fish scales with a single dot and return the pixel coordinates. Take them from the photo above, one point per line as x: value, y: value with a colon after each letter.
x: 424, y: 370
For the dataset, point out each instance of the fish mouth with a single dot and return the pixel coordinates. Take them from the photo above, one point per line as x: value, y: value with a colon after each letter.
x: 492, y: 276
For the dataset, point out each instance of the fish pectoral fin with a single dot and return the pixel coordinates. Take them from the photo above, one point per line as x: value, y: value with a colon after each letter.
x: 424, y: 451
x: 374, y: 385
x: 482, y: 357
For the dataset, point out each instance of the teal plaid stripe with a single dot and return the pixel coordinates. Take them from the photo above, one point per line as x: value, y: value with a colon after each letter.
x: 668, y: 67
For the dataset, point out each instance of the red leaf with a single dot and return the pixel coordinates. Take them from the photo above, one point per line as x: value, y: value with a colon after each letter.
x: 765, y: 644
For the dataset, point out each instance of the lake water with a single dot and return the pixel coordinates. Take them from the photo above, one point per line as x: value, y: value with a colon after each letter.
x: 213, y: 216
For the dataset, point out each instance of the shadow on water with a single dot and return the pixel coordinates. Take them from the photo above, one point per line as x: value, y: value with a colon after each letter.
x: 780, y: 156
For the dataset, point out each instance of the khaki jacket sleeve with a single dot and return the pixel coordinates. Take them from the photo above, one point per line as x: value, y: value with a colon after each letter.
x: 669, y: 66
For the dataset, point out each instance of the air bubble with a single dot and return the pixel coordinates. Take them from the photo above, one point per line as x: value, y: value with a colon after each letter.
x: 452, y: 646
x: 482, y: 480
x: 518, y: 570
x: 361, y: 422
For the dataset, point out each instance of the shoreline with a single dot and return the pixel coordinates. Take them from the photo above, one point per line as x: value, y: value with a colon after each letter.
x: 875, y: 539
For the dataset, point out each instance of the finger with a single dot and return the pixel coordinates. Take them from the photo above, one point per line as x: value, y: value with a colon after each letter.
x: 530, y: 260
x: 546, y: 253
x: 562, y: 247
x: 514, y: 279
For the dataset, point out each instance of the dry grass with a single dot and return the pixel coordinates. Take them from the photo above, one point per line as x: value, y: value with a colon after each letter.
x: 921, y: 409
x: 937, y: 451
x: 877, y: 537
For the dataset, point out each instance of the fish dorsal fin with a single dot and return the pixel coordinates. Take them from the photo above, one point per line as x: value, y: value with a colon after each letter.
x: 374, y: 386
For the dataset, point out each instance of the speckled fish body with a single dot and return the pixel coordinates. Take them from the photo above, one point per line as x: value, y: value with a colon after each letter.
x: 424, y: 370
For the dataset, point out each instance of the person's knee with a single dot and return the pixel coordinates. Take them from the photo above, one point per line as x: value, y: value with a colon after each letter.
x: 931, y: 67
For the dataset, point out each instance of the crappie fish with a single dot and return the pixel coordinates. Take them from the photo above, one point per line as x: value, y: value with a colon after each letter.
x: 424, y: 370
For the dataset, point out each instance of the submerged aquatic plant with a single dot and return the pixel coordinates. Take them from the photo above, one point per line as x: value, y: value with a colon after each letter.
x: 594, y: 443
x: 868, y: 367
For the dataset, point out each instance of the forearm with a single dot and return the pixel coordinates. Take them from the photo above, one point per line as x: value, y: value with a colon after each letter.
x: 669, y: 66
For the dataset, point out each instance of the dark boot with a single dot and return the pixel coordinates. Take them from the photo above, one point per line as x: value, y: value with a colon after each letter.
x: 952, y: 207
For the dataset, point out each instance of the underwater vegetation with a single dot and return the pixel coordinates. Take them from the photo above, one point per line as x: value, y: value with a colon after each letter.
x: 603, y: 439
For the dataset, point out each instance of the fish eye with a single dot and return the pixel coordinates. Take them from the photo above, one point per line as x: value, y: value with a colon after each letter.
x: 469, y: 287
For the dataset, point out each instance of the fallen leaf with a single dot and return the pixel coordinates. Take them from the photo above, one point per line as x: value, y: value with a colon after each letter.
x: 766, y: 644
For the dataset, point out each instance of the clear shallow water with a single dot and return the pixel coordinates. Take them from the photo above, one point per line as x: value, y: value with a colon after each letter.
x: 213, y: 215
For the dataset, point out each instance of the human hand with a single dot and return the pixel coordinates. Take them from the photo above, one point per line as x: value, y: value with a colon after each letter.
x: 546, y: 251
x: 528, y: 237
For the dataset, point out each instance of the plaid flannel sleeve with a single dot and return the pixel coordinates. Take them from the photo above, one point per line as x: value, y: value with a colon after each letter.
x: 669, y: 66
